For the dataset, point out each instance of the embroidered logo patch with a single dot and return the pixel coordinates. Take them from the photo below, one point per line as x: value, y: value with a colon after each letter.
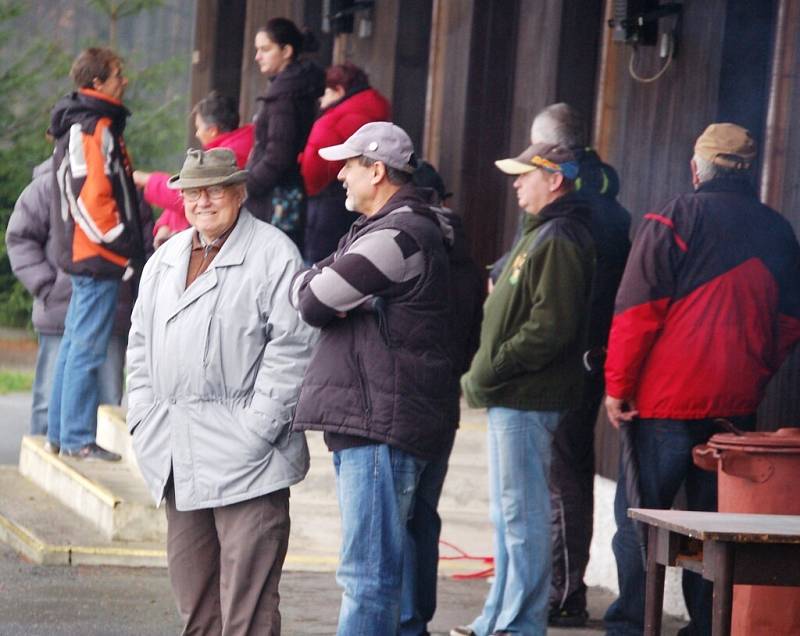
x: 516, y: 267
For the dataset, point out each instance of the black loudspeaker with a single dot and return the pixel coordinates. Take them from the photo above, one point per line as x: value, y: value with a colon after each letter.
x: 635, y: 21
x: 342, y: 16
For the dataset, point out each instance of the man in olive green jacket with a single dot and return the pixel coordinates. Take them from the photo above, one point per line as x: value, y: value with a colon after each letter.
x: 527, y: 372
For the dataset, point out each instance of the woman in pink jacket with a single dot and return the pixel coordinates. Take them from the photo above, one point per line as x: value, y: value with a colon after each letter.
x: 216, y: 119
x: 347, y: 104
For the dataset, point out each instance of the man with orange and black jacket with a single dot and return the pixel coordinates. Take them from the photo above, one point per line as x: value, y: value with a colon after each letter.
x: 98, y: 237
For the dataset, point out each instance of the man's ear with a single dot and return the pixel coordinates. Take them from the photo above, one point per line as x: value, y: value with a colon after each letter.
x: 378, y: 172
x: 695, y: 178
x: 556, y: 181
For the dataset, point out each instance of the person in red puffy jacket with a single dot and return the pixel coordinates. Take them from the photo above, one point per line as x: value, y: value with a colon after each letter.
x: 347, y: 104
x: 216, y: 119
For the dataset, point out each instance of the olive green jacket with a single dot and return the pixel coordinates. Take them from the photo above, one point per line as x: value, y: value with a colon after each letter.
x: 534, y: 327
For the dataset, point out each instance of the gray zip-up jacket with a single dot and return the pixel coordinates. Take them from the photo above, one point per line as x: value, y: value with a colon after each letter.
x: 214, y: 370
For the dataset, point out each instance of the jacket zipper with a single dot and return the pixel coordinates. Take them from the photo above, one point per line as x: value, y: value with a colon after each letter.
x: 364, y: 390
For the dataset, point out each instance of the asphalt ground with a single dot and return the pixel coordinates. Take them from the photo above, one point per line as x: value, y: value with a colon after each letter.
x: 40, y: 600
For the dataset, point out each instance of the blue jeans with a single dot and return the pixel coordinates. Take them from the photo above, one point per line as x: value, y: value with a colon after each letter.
x: 375, y: 485
x: 519, y: 469
x: 72, y: 414
x: 109, y: 377
x: 421, y: 563
x: 664, y: 453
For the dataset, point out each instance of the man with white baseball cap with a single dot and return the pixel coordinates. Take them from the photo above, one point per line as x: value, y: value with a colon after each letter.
x: 378, y: 382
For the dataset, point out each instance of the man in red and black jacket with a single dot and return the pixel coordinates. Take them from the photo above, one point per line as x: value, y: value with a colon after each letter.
x: 708, y: 308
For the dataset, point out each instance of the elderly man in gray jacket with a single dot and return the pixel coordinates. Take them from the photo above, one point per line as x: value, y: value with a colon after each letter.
x: 215, y: 360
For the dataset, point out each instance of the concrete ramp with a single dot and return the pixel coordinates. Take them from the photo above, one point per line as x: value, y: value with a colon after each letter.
x: 110, y: 496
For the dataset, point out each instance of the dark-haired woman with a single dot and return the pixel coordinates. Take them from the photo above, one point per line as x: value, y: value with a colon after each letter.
x: 287, y: 109
x: 348, y: 104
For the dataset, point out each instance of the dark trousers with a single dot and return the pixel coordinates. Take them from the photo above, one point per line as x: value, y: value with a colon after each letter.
x: 664, y: 453
x: 572, y: 498
x: 225, y: 565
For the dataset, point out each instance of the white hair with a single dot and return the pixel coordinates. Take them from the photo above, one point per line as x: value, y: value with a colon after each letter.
x: 559, y: 124
x: 708, y: 170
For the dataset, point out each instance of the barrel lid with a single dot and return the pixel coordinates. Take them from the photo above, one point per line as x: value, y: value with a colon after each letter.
x: 787, y: 438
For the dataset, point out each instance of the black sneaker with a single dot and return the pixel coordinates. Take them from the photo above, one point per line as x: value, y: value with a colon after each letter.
x: 51, y: 448
x: 91, y: 451
x: 567, y: 618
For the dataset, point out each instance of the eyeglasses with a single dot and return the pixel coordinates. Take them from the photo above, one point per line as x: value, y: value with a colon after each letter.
x: 214, y: 192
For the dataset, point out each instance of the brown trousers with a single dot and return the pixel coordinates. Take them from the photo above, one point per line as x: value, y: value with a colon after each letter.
x: 225, y: 565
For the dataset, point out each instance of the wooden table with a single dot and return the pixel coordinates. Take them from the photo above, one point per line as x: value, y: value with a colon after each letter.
x: 724, y: 548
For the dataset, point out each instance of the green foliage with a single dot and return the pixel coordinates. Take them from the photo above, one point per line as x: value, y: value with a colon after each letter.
x: 29, y: 78
x: 15, y: 382
x: 156, y: 132
x: 116, y: 9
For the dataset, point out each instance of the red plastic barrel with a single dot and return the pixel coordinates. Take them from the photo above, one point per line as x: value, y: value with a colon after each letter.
x: 758, y: 473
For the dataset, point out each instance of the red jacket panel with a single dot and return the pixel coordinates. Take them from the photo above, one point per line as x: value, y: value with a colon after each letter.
x: 239, y: 140
x: 708, y: 307
x: 336, y: 124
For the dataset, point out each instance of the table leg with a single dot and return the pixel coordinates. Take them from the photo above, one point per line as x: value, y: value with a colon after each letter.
x: 723, y: 589
x: 654, y: 587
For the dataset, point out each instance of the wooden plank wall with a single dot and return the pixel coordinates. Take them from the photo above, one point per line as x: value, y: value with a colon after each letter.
x: 556, y: 60
x: 781, y: 189
x: 647, y: 131
x: 522, y: 57
x: 377, y: 53
x: 445, y: 126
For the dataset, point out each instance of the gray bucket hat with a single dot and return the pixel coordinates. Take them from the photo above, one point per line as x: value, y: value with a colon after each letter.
x: 206, y: 168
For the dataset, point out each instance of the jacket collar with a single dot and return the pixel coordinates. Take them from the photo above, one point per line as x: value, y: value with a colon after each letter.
x: 570, y: 205
x: 299, y: 78
x: 178, y: 251
x: 232, y: 252
x: 739, y: 186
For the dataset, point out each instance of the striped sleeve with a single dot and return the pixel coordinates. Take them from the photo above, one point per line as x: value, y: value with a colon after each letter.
x: 373, y: 265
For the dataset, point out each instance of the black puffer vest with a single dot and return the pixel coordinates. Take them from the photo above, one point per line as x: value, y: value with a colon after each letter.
x: 382, y: 373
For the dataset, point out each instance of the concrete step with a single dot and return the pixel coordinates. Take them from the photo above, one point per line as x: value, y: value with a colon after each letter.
x: 45, y: 531
x: 110, y: 495
x: 112, y: 433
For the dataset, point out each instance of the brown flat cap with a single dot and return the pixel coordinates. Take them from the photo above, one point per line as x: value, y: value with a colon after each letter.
x: 726, y: 145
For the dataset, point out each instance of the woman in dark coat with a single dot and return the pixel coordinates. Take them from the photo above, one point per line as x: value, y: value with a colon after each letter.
x: 275, y: 191
x: 348, y: 104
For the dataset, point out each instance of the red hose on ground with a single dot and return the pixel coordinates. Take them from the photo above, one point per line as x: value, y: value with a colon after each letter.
x: 463, y: 556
